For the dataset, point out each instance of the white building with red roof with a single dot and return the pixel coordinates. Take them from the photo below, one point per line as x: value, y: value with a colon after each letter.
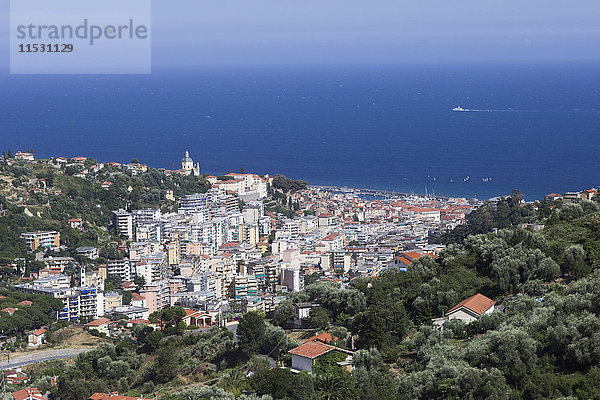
x: 471, y: 309
x: 305, y: 355
x: 9, y: 310
x: 37, y: 337
x: 100, y: 324
x: 21, y: 155
x: 28, y: 394
x: 75, y: 223
x: 333, y: 242
x: 322, y: 337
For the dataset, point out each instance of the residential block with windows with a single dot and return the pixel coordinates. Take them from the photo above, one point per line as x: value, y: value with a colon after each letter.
x: 49, y: 239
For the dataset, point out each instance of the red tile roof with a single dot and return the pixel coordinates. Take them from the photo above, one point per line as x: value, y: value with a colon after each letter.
x: 139, y: 321
x: 18, y: 380
x: 404, y: 260
x: 229, y: 244
x: 322, y: 337
x: 28, y: 393
x: 127, y: 285
x: 311, y: 350
x: 189, y: 312
x: 478, y: 304
x: 412, y: 255
x: 331, y: 237
x: 98, y: 322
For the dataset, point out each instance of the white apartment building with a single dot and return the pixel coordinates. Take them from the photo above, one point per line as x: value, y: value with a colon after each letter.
x: 292, y: 227
x: 49, y: 239
x: 213, y: 282
x: 333, y: 242
x: 80, y: 303
x: 193, y: 203
x: 122, y: 268
x: 243, y: 286
x: 153, y: 267
x: 54, y: 282
x: 150, y: 233
x: 123, y: 222
x: 138, y: 250
x: 145, y: 216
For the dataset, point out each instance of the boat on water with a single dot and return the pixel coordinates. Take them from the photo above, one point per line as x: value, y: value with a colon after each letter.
x: 459, y: 108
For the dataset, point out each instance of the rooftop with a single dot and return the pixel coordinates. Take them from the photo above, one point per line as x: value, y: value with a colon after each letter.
x: 315, y: 349
x: 477, y: 303
x: 98, y: 322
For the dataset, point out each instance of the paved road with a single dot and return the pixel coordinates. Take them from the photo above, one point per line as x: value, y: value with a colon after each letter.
x: 39, y: 356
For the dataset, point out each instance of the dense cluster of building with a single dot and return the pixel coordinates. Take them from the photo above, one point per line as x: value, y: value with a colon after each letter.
x: 225, y: 247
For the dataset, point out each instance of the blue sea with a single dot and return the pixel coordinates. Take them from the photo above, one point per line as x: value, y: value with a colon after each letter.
x: 387, y: 127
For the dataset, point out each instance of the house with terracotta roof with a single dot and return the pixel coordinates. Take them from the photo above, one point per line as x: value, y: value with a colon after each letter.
x: 197, y: 318
x: 9, y: 310
x: 404, y: 260
x: 471, y: 309
x: 322, y: 337
x: 137, y: 321
x: 18, y: 380
x: 10, y: 373
x: 327, y: 219
x: 305, y: 356
x: 128, y: 286
x: 21, y: 155
x: 25, y: 303
x: 74, y: 223
x: 137, y: 300
x: 263, y: 246
x: 100, y: 324
x: 28, y: 394
x: 37, y: 337
x: 553, y: 196
x: 589, y: 194
x: 334, y: 241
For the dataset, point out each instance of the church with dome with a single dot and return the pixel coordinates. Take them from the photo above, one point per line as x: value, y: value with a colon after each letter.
x: 188, y: 167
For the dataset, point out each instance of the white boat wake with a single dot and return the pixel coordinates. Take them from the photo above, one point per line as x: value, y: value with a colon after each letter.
x: 510, y: 110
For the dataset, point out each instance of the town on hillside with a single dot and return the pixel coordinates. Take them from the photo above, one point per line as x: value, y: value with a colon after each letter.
x: 132, y: 254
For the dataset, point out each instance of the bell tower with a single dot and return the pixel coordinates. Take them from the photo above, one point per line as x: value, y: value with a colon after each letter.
x: 187, y: 164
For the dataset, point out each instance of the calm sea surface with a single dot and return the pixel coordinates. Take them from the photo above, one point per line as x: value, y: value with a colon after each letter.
x: 375, y: 127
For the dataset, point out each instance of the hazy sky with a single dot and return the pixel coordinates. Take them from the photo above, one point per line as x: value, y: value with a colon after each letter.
x: 239, y: 32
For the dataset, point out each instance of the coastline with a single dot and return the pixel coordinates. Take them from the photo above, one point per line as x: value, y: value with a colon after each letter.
x: 377, y: 192
x: 372, y: 191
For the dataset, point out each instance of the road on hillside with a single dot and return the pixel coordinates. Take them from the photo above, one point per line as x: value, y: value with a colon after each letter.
x: 39, y: 356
